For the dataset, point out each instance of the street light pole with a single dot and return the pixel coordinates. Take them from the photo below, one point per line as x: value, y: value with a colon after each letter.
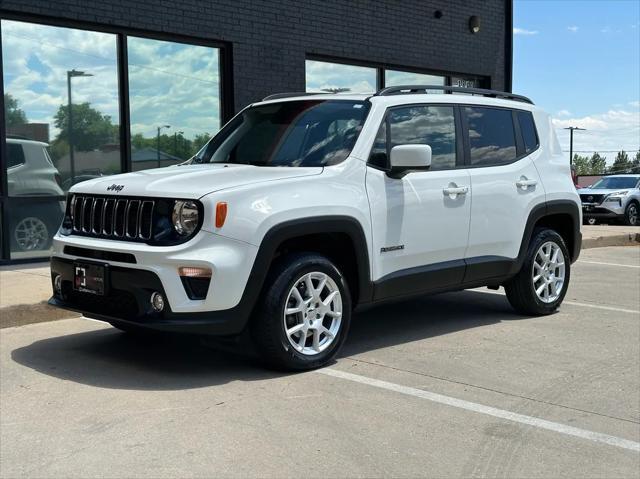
x: 70, y: 75
x: 158, y: 142
x: 571, y: 130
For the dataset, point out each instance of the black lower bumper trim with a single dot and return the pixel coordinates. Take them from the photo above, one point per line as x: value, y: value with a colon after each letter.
x: 127, y: 301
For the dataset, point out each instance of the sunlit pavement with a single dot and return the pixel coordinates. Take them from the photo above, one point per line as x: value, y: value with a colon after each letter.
x: 455, y: 385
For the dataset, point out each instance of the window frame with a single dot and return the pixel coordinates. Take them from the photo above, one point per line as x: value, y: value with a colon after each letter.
x: 459, y: 149
x: 517, y: 132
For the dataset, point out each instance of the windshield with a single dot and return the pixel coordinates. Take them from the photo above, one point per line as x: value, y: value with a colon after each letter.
x: 292, y: 133
x: 616, y: 182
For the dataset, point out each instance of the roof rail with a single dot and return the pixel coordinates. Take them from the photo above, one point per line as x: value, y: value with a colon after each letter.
x: 407, y: 89
x: 277, y: 96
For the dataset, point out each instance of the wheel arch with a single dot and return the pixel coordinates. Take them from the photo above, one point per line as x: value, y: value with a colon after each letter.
x: 563, y: 216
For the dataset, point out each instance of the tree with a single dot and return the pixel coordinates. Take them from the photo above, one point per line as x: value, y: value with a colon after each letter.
x: 598, y: 164
x: 621, y: 164
x: 635, y: 163
x: 581, y: 164
x: 13, y: 115
x: 91, y: 129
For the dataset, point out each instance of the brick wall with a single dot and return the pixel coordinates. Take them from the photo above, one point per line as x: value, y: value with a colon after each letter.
x: 270, y: 39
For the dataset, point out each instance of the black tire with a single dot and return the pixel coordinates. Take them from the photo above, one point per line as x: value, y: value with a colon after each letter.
x: 632, y: 214
x: 267, y: 324
x: 520, y: 289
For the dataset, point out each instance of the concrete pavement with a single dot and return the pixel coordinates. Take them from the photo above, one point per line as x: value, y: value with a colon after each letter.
x: 83, y: 400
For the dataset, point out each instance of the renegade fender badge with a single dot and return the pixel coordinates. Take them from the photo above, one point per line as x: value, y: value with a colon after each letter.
x: 116, y: 188
x: 386, y: 249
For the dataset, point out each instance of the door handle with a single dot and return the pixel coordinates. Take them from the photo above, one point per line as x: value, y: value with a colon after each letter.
x: 525, y: 183
x: 454, y: 190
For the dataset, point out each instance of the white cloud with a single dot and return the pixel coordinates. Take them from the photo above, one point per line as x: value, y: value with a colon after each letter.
x: 635, y: 104
x: 573, y: 28
x: 563, y: 113
x: 613, y: 130
x: 523, y: 31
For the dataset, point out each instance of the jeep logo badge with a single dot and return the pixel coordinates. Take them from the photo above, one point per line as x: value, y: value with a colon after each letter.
x: 116, y: 188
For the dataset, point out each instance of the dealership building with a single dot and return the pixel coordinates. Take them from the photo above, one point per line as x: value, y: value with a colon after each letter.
x: 93, y: 88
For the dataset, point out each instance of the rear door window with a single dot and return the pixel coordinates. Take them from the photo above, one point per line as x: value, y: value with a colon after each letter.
x: 492, y: 139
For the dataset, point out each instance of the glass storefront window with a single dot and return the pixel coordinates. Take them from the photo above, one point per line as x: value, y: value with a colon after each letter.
x: 397, y: 77
x: 338, y: 77
x: 62, y: 124
x: 174, y: 98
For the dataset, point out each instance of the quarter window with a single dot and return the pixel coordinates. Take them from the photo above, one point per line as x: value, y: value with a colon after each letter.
x: 528, y: 129
x: 492, y: 138
x: 15, y: 155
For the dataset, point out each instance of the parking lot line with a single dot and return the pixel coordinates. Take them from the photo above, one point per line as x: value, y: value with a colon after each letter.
x: 487, y: 410
x: 610, y: 264
x: 572, y: 303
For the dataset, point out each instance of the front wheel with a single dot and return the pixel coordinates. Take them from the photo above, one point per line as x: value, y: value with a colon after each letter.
x: 304, y: 314
x: 541, y: 284
x: 631, y: 215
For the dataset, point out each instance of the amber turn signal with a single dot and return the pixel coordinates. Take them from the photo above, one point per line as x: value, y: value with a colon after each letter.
x: 221, y: 214
x: 193, y: 272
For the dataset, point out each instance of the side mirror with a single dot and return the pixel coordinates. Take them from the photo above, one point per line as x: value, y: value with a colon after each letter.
x: 406, y: 158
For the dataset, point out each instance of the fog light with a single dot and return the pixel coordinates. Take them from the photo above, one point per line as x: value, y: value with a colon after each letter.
x: 157, y: 302
x: 57, y: 284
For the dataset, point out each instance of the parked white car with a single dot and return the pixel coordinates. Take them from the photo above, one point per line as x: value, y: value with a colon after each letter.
x: 615, y: 197
x: 306, y: 207
x: 30, y: 173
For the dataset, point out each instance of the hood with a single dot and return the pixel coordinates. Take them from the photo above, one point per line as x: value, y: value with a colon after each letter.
x: 188, y: 181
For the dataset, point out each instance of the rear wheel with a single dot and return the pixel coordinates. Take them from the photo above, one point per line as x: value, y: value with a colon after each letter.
x: 542, y: 282
x: 304, y: 316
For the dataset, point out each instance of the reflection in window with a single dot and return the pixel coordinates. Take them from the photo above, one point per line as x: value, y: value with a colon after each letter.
x: 55, y: 139
x: 491, y: 136
x: 426, y: 125
x: 174, y: 91
x: 338, y: 77
x: 396, y: 78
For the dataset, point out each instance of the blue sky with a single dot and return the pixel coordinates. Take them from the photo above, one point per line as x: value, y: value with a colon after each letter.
x: 580, y: 61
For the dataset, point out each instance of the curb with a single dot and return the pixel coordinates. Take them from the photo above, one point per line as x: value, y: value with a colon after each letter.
x: 627, y: 239
x: 22, y: 314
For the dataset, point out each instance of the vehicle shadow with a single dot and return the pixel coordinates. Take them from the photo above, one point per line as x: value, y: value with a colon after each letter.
x: 107, y: 358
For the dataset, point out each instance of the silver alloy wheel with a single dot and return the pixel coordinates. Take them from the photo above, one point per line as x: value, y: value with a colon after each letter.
x: 313, y: 313
x: 31, y: 234
x: 632, y: 214
x: 548, y: 272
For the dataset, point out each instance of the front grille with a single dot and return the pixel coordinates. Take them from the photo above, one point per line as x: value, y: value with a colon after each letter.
x: 110, y: 217
x: 587, y: 198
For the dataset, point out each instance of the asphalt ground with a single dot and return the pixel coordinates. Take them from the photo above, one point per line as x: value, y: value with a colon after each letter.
x: 455, y: 385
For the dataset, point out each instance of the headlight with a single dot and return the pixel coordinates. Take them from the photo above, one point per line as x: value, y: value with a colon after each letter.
x: 619, y: 193
x: 185, y: 217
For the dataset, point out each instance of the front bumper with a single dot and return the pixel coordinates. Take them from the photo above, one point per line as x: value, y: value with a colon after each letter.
x: 612, y: 211
x: 127, y: 301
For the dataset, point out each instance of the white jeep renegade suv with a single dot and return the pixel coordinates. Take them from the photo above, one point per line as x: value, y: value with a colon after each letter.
x: 305, y: 207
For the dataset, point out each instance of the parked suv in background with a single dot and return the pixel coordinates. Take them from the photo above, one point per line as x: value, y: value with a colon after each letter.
x: 304, y: 207
x: 615, y: 197
x: 30, y: 172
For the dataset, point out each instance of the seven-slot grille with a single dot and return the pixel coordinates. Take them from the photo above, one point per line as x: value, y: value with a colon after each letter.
x: 112, y: 217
